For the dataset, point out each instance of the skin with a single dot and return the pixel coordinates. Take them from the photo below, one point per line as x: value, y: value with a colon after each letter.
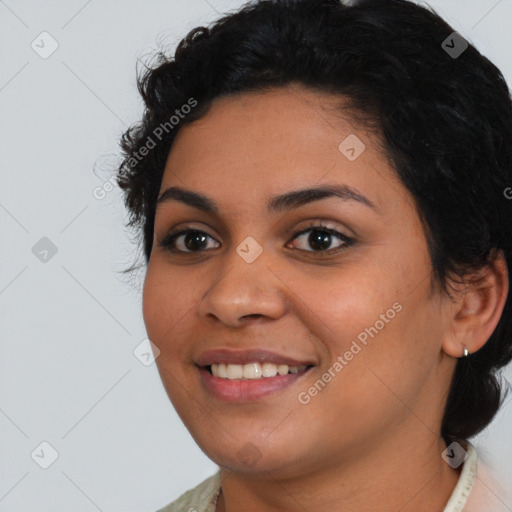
x: 370, y: 440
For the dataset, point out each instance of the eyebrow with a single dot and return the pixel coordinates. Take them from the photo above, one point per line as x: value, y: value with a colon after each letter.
x: 276, y: 204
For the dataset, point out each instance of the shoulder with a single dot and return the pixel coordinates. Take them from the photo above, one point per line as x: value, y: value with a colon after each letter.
x: 489, y: 493
x: 201, y: 498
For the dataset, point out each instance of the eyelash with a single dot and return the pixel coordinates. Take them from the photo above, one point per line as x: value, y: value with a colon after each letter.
x: 168, y: 241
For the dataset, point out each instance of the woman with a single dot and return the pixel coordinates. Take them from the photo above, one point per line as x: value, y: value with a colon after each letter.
x: 322, y: 194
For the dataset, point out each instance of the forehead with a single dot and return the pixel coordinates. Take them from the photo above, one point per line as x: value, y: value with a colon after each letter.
x: 255, y: 144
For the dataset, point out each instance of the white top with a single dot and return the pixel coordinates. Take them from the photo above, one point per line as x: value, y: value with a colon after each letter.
x: 467, y: 476
x: 203, y: 498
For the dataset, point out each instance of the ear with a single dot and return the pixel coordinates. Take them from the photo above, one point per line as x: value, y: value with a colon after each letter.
x: 477, y: 308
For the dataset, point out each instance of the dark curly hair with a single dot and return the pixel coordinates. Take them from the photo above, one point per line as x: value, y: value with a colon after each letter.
x: 445, y: 121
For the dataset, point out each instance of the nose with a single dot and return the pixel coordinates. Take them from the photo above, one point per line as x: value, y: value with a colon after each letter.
x: 244, y: 293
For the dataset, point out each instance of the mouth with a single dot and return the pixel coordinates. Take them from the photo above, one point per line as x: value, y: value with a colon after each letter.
x: 251, y: 374
x: 249, y: 382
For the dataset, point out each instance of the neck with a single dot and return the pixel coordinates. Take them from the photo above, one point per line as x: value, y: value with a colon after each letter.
x: 409, y: 476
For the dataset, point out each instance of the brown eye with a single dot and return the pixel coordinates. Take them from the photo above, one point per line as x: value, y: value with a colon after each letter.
x: 188, y: 240
x: 320, y: 239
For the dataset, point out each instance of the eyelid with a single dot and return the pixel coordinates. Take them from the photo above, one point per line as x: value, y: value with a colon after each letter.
x: 316, y: 224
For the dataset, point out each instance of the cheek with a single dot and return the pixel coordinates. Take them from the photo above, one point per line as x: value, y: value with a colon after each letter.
x: 350, y: 300
x: 164, y: 302
x: 164, y: 308
x: 152, y: 307
x: 368, y: 315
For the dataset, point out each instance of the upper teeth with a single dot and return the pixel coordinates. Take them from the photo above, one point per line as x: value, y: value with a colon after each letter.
x: 252, y: 370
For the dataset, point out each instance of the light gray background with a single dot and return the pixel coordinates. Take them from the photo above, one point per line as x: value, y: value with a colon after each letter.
x: 69, y: 326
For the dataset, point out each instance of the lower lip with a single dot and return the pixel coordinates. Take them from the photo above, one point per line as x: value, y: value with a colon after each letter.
x: 247, y: 390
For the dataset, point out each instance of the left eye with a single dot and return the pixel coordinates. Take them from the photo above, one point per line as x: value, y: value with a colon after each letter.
x: 320, y: 237
x: 193, y: 240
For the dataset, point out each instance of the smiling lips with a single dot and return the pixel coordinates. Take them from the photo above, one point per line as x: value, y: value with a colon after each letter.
x: 249, y: 374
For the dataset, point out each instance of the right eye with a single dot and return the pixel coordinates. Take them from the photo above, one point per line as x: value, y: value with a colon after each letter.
x: 193, y: 241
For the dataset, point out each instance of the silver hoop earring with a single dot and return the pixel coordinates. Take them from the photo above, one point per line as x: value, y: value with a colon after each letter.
x: 466, y: 351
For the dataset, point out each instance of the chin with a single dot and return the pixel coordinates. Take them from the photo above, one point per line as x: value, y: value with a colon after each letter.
x: 246, y: 457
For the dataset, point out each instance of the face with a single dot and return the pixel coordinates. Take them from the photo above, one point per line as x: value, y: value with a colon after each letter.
x: 339, y: 283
